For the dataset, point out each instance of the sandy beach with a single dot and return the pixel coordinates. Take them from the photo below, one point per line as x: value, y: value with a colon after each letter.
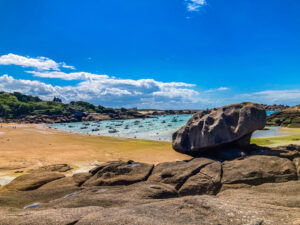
x: 28, y: 146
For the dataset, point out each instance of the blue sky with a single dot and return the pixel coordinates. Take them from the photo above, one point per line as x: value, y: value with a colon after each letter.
x: 152, y: 54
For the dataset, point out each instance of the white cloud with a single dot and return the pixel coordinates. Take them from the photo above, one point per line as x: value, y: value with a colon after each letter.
x: 64, y: 65
x: 105, y: 80
x: 143, y: 93
x: 112, y: 92
x: 8, y: 83
x: 195, y: 5
x: 95, y: 88
x: 40, y: 63
x: 68, y: 76
x: 217, y: 89
x: 223, y: 89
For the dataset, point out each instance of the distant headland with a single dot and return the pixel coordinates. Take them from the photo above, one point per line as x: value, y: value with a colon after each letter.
x: 20, y: 108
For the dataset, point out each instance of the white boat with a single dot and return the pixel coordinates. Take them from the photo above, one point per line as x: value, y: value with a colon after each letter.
x: 113, y: 131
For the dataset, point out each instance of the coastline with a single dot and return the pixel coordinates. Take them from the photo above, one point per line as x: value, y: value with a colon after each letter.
x: 29, y: 146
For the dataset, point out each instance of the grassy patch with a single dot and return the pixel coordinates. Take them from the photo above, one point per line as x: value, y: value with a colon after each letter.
x: 17, y: 174
x: 75, y: 167
x: 275, y: 140
x: 262, y: 141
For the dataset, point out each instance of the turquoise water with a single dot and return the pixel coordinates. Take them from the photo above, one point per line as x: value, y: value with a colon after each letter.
x: 159, y: 128
x: 270, y: 112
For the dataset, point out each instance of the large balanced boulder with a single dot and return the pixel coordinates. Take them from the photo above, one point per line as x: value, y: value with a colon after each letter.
x: 230, y: 125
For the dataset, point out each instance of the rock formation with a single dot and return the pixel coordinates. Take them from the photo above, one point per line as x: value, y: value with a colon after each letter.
x: 260, y: 188
x: 230, y: 125
x: 241, y: 183
x: 274, y: 107
x: 287, y: 118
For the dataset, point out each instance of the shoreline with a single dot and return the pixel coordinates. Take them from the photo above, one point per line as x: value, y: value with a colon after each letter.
x: 292, y: 136
x: 29, y: 146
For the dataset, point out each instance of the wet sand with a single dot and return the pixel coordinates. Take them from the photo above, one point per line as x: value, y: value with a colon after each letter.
x: 291, y: 136
x: 30, y: 146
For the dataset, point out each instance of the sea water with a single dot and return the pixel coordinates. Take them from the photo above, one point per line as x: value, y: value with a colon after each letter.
x: 159, y: 127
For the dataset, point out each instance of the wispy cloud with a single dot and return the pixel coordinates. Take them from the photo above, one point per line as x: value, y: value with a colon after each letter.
x: 64, y: 65
x: 217, y: 89
x: 195, y: 5
x: 290, y: 97
x: 40, y: 63
x: 68, y: 76
x: 107, y: 80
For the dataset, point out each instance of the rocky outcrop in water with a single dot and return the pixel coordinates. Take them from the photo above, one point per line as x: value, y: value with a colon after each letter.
x: 262, y: 187
x: 286, y: 118
x: 274, y: 107
x: 230, y: 125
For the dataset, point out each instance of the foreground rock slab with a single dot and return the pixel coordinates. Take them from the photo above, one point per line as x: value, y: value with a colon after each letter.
x: 200, y: 210
x: 119, y: 173
x: 228, y: 125
x: 256, y: 170
x: 206, y: 181
x: 48, y: 217
x: 260, y: 188
x: 177, y: 173
x: 52, y: 168
x: 32, y: 181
